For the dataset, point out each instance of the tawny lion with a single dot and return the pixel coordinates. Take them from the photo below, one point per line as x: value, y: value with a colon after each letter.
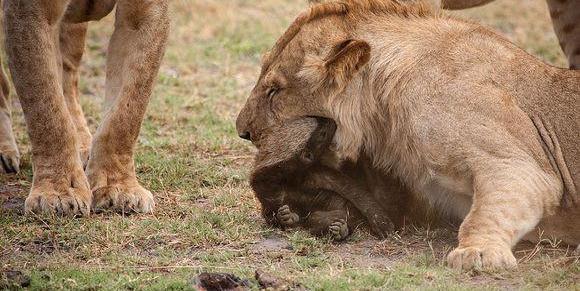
x: 44, y: 44
x: 488, y: 133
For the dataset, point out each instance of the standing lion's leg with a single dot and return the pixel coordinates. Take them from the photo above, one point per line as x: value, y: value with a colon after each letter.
x: 72, y: 47
x: 566, y: 19
x: 9, y: 155
x: 134, y: 57
x: 59, y: 183
x: 508, y: 202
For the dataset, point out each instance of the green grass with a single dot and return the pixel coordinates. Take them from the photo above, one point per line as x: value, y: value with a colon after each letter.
x: 207, y: 218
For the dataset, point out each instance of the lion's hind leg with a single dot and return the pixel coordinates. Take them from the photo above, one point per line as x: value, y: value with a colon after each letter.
x: 510, y: 198
x: 72, y: 46
x: 9, y: 155
x: 133, y: 60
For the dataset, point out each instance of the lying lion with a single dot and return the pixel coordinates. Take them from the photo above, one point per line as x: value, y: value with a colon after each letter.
x: 488, y: 133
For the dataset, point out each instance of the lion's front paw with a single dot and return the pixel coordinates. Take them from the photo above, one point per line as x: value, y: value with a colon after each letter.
x: 286, y: 217
x: 114, y: 184
x: 71, y: 197
x: 338, y: 230
x: 124, y: 197
x: 481, y: 258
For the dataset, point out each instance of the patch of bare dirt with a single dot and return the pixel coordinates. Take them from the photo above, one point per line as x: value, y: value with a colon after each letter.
x: 12, y: 196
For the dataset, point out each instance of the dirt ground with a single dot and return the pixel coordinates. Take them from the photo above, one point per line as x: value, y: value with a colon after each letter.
x: 207, y: 219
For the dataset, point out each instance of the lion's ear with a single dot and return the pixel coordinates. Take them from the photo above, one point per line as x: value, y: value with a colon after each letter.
x: 345, y: 60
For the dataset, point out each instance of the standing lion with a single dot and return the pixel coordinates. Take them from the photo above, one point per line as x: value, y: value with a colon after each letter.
x: 44, y: 44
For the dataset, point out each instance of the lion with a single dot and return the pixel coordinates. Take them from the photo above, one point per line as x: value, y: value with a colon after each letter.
x: 486, y: 132
x: 44, y: 46
x: 299, y: 182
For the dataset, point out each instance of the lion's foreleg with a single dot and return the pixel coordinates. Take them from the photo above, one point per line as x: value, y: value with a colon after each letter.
x: 134, y: 57
x: 72, y: 46
x: 59, y: 183
x: 509, y: 200
x: 9, y: 155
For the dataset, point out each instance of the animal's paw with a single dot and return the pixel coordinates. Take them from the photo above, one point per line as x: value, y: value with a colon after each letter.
x: 114, y: 184
x: 286, y: 217
x: 481, y: 258
x: 9, y: 161
x: 338, y: 230
x: 9, y: 156
x: 381, y: 225
x: 70, y: 197
x: 123, y: 197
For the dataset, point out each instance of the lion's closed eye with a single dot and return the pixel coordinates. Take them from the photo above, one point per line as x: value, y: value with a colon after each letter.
x: 272, y: 92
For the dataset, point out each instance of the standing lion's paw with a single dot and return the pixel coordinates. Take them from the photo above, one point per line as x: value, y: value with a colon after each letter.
x: 286, y: 217
x: 9, y: 161
x: 114, y: 183
x: 484, y: 258
x: 123, y: 197
x: 71, y: 197
x: 9, y: 156
x: 338, y: 230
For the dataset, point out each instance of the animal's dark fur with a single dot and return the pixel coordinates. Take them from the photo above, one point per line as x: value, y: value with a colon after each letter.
x: 298, y: 185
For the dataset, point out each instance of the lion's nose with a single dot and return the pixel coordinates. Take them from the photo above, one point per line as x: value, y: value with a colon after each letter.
x: 245, y: 135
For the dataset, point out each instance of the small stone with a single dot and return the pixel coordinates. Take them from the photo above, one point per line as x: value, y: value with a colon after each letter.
x: 219, y: 282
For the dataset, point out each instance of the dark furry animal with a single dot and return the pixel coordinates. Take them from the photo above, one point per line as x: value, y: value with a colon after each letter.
x: 299, y: 182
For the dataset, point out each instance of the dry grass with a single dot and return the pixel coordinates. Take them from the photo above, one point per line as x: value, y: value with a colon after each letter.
x: 207, y: 218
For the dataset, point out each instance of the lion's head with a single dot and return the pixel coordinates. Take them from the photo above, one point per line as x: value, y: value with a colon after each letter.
x: 319, y: 58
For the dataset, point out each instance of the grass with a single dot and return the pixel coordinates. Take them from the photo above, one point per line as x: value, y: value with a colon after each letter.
x: 207, y: 218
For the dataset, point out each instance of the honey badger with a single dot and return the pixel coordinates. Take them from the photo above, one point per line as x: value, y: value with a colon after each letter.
x: 299, y: 183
